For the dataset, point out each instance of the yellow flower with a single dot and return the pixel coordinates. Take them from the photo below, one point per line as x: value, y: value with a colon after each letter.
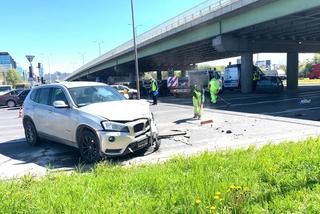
x: 216, y: 197
x: 218, y: 193
x: 232, y: 186
x: 198, y: 201
x: 212, y: 207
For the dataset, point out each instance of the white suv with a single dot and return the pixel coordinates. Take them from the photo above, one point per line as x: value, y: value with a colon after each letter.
x: 90, y: 116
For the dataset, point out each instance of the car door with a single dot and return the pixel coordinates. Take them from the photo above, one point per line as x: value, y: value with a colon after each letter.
x: 41, y: 110
x: 62, y: 120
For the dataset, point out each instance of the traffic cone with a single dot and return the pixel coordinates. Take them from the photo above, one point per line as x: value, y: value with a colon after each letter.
x: 20, y: 112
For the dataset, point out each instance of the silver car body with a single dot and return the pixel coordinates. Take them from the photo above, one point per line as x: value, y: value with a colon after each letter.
x: 65, y: 124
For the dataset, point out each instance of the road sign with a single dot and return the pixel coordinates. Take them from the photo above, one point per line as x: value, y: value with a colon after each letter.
x: 30, y: 58
x: 172, y: 82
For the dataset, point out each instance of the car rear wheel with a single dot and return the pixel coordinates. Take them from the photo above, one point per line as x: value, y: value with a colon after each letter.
x: 89, y: 147
x: 31, y: 133
x: 11, y: 103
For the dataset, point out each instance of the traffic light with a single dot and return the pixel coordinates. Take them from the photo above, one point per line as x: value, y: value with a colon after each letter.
x: 30, y: 72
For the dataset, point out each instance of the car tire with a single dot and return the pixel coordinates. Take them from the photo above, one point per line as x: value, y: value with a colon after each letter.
x: 89, y: 147
x: 31, y: 133
x: 11, y: 103
x: 156, y: 144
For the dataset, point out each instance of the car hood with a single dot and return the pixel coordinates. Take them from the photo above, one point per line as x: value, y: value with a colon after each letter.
x: 124, y: 110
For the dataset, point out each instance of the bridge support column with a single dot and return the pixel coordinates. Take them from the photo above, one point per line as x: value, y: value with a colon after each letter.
x: 131, y: 77
x: 292, y: 70
x: 159, y: 75
x: 246, y: 72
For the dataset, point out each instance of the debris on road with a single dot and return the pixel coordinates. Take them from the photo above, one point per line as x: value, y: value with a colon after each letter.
x: 173, y: 134
x: 206, y: 122
x: 305, y: 101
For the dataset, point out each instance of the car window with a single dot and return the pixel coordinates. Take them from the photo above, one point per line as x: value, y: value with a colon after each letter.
x: 83, y: 96
x: 58, y: 94
x: 43, y: 97
x: 14, y: 92
x: 33, y: 95
x: 24, y: 93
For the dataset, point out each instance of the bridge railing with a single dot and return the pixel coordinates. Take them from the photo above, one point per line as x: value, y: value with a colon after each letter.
x: 180, y: 22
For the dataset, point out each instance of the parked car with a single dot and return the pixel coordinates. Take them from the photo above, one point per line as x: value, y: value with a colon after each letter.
x: 129, y: 93
x: 5, y: 89
x: 90, y: 116
x: 269, y: 84
x: 12, y: 98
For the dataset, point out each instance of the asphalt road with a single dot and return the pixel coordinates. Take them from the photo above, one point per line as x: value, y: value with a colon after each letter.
x: 249, y: 119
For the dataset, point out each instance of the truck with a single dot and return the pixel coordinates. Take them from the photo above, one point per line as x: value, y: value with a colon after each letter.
x: 183, y: 86
x: 315, y: 72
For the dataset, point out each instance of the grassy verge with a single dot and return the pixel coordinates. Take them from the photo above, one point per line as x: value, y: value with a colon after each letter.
x: 277, y: 179
x: 309, y: 81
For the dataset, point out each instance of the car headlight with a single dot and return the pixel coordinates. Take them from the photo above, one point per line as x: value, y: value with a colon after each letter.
x: 114, y: 127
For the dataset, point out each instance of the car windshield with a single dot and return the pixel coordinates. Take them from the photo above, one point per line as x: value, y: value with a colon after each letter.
x: 87, y: 95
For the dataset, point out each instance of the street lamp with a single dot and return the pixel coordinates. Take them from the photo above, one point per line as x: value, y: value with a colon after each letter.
x: 82, y: 54
x: 99, y: 45
x: 135, y: 51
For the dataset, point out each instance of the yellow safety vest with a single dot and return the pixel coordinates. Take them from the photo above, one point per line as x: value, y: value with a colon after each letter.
x: 153, y: 85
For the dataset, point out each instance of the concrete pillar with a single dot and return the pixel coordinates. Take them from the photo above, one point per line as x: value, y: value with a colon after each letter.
x: 131, y: 77
x: 292, y: 70
x: 159, y: 75
x: 246, y: 72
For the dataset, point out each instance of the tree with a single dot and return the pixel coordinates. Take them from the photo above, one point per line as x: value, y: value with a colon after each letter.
x: 13, y: 77
x: 316, y: 58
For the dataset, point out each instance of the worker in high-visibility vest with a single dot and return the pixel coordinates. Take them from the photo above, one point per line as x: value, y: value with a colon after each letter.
x: 214, y: 88
x: 154, y: 90
x: 197, y: 102
x: 255, y: 79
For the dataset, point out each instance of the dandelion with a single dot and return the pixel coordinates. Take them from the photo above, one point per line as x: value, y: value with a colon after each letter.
x: 218, y: 193
x: 212, y: 207
x: 232, y: 186
x: 198, y: 201
x: 216, y: 197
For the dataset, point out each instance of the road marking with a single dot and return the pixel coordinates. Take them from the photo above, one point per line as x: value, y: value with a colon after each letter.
x: 271, y: 101
x: 291, y: 110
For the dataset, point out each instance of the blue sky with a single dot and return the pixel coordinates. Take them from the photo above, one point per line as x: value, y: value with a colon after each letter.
x: 59, y: 30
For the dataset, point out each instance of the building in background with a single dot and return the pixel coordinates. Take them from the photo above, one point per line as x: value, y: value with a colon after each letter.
x: 6, y: 63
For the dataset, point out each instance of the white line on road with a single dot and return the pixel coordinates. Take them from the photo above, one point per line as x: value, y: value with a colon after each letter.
x: 270, y: 101
x: 291, y: 110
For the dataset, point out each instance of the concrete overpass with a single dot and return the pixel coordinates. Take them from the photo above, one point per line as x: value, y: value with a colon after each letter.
x: 218, y: 30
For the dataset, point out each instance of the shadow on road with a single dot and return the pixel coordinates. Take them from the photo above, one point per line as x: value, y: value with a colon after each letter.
x: 53, y: 155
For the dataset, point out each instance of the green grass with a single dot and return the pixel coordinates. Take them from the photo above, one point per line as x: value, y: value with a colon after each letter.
x: 276, y: 178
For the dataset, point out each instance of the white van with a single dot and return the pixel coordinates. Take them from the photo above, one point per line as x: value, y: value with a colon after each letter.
x: 4, y: 89
x: 231, y: 76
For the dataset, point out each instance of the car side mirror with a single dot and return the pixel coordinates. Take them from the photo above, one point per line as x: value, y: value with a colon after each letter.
x: 60, y: 104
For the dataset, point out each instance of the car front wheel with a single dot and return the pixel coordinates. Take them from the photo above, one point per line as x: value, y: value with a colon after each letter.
x: 31, y: 133
x: 89, y: 147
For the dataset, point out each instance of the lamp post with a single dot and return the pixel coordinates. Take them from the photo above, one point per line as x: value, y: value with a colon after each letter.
x: 99, y: 45
x: 82, y: 54
x: 135, y: 51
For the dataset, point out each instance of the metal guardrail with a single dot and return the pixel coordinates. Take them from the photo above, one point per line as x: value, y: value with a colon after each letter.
x: 214, y: 7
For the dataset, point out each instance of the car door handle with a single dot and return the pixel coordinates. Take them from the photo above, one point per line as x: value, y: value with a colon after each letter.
x: 50, y: 111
